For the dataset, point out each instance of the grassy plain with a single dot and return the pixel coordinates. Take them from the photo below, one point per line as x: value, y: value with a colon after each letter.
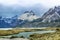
x: 47, y: 36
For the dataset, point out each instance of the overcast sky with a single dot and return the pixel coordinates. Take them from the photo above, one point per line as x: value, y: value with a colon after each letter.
x: 47, y: 3
x: 39, y: 6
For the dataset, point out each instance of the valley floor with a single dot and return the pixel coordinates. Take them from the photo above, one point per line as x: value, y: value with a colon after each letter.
x: 36, y: 36
x: 47, y: 36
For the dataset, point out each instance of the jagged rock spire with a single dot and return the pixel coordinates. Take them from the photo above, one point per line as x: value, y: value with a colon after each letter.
x: 52, y: 14
x: 28, y: 15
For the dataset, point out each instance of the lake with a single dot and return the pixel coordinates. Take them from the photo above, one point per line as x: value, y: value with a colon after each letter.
x: 27, y: 34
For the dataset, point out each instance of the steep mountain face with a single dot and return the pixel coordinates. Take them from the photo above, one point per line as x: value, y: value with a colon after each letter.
x: 29, y: 16
x: 52, y: 14
x: 9, y: 22
x: 3, y: 23
x: 50, y: 18
x: 16, y: 20
x: 34, y: 23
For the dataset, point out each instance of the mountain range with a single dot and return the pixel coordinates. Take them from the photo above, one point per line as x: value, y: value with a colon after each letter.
x: 30, y: 19
x: 52, y: 14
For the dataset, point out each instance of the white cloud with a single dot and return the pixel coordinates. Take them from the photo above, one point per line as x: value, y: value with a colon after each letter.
x: 47, y: 3
x: 8, y: 2
x: 29, y: 18
x: 50, y: 3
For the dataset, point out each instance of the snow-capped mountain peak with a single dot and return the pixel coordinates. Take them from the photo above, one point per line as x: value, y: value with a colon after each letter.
x: 28, y: 16
x: 52, y: 14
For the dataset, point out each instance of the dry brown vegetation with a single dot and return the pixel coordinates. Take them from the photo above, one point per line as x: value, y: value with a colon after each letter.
x: 13, y: 31
x: 47, y: 36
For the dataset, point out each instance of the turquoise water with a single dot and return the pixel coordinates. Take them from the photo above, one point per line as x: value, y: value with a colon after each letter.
x: 27, y: 34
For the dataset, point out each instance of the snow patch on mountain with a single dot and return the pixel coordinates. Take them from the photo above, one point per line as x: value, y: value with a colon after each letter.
x: 30, y: 16
x: 52, y: 14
